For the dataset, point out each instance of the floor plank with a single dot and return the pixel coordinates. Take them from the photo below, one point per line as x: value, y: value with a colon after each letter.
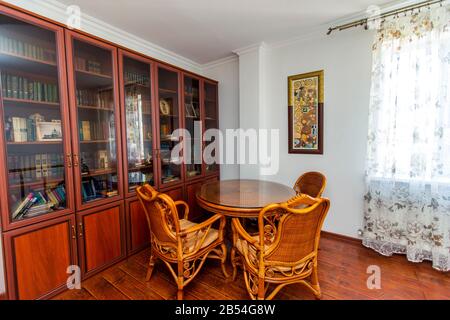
x: 342, y: 275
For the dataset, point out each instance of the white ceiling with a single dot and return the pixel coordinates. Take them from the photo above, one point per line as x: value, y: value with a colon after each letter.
x: 207, y: 30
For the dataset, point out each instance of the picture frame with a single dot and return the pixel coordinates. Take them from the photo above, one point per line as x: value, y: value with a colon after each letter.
x: 305, y: 113
x: 49, y: 131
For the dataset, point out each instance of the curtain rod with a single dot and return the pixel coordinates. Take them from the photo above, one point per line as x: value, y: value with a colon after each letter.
x: 364, y: 22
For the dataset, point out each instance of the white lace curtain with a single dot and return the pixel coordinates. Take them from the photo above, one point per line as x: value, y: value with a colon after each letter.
x: 407, y: 205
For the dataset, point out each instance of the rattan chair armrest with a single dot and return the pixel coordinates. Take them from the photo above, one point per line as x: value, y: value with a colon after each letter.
x: 202, y: 225
x: 186, y: 208
x: 244, y: 234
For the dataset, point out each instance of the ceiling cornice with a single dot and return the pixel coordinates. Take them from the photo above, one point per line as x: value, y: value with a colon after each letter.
x: 250, y: 48
x: 56, y: 10
x: 219, y: 62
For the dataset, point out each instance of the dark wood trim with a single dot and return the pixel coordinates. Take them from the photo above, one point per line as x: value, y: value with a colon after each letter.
x: 35, y: 15
x: 341, y: 237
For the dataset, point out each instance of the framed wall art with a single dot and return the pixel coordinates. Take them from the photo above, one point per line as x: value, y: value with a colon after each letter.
x: 305, y: 110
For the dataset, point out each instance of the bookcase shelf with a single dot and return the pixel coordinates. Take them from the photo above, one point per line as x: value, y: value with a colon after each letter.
x: 88, y: 79
x: 26, y: 102
x: 18, y: 62
x: 31, y: 143
x: 96, y: 141
x: 170, y: 91
x: 99, y: 173
x: 43, y: 182
x: 95, y: 108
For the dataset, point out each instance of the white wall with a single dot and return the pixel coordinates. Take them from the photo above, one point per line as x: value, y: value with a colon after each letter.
x: 227, y: 74
x: 346, y: 59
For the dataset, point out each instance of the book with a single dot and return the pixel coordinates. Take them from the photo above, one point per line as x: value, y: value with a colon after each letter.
x: 86, y: 130
x: 22, y: 205
x: 38, y: 165
x: 44, y: 165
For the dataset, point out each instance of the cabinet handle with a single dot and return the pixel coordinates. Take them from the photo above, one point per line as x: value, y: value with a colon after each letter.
x: 75, y: 160
x: 80, y: 229
x: 74, y: 232
x: 69, y: 161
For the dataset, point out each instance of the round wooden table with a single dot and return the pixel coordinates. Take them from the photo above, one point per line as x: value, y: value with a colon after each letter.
x: 241, y: 198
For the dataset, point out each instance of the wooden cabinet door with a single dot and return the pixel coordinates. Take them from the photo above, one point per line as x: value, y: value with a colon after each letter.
x: 100, y: 237
x: 38, y: 257
x: 137, y: 115
x: 138, y: 229
x: 211, y: 121
x: 195, y: 211
x: 169, y: 115
x: 95, y: 119
x: 36, y: 174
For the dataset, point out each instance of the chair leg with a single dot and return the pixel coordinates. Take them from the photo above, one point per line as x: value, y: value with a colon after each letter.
x: 180, y: 294
x: 224, y: 259
x: 315, y: 283
x: 180, y: 280
x: 233, y: 262
x: 261, y: 289
x: 151, y: 266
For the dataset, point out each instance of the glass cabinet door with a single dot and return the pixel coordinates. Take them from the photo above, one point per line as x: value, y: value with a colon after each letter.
x: 211, y: 118
x: 169, y: 121
x: 193, y: 124
x: 96, y: 157
x: 136, y: 93
x: 33, y: 114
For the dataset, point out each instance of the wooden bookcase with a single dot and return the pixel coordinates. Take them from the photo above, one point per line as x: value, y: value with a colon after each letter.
x: 85, y: 122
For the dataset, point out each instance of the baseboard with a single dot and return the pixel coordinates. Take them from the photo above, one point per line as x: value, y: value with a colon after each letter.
x: 340, y: 237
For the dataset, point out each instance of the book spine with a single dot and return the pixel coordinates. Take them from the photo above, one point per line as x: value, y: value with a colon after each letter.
x: 38, y: 165
x: 44, y: 165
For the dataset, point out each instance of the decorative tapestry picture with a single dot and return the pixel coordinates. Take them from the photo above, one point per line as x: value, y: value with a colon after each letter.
x: 305, y: 95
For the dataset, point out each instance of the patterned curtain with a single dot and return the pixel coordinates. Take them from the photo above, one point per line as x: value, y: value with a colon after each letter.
x: 407, y: 204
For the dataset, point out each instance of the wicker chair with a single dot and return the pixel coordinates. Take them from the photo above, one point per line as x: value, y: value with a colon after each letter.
x: 311, y: 183
x: 179, y: 242
x: 285, y: 250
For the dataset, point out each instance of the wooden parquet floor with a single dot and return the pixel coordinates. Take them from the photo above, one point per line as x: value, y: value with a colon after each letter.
x: 342, y: 275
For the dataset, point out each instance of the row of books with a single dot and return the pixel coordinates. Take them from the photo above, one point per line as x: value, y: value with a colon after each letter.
x: 26, y: 49
x: 29, y: 168
x: 138, y: 78
x: 20, y: 129
x: 88, y: 65
x: 92, y: 189
x: 93, y: 161
x: 39, y: 202
x: 94, y: 130
x: 103, y: 99
x: 19, y: 87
